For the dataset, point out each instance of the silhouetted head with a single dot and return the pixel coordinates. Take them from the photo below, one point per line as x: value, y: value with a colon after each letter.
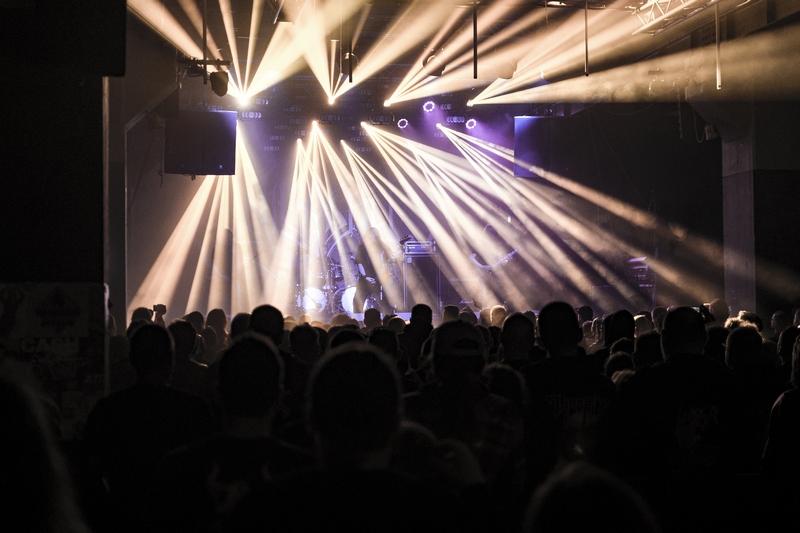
x: 240, y: 323
x: 372, y: 318
x: 684, y: 331
x: 585, y: 314
x: 620, y: 325
x: 354, y: 404
x: 397, y: 324
x: 217, y: 319
x: 185, y: 338
x: 617, y: 361
x: 421, y: 313
x: 250, y: 378
x: 658, y: 315
x: 559, y: 331
x: 196, y: 319
x: 518, y: 335
x: 647, y: 350
x: 268, y: 321
x: 142, y: 313
x: 449, y: 313
x: 304, y: 343
x: 345, y: 335
x: 498, y: 315
x: 779, y: 321
x: 606, y: 504
x: 152, y: 352
x: 386, y: 340
x: 752, y: 318
x: 719, y: 310
x: 507, y: 382
x: 743, y: 348
x: 459, y: 351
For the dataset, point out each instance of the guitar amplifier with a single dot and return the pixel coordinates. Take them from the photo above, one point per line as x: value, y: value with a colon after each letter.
x: 419, y: 247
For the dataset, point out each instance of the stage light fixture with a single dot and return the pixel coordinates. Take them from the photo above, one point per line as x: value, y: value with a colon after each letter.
x: 329, y: 118
x: 428, y: 106
x: 471, y: 123
x: 382, y: 120
x: 402, y: 123
x: 437, y: 65
x: 219, y: 83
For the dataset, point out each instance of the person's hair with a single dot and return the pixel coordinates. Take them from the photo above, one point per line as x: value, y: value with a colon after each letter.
x: 210, y: 338
x: 620, y: 377
x: 344, y: 335
x: 753, y: 318
x: 585, y: 314
x: 268, y: 321
x: 468, y: 315
x: 449, y: 312
x: 719, y: 309
x: 684, y: 331
x: 622, y: 345
x: 151, y: 349
x: 743, y: 348
x: 643, y: 324
x: 558, y: 327
x: 386, y: 340
x: 604, y: 499
x: 498, y: 315
x: 647, y: 350
x: 185, y: 338
x: 240, y: 323
x: 621, y: 324
x: 786, y: 343
x: 354, y: 400
x: 251, y: 375
x: 217, y: 319
x: 616, y: 362
x: 421, y: 313
x: 658, y: 315
x: 397, y: 324
x: 304, y: 339
x: 518, y: 335
x: 142, y: 313
x: 372, y: 317
x: 459, y: 350
x: 196, y: 319
x: 508, y: 383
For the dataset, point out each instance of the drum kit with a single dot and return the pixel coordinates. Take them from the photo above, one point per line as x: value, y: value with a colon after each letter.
x: 336, y: 286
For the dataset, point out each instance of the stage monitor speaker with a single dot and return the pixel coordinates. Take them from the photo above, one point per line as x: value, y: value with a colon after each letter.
x: 421, y: 281
x: 200, y: 143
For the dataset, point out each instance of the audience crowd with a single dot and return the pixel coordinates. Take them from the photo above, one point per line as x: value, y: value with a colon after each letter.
x: 663, y: 420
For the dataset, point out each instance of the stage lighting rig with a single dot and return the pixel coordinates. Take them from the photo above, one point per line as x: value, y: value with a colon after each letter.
x: 194, y: 67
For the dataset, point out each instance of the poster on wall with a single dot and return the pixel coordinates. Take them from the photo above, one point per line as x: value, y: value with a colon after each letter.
x: 56, y: 332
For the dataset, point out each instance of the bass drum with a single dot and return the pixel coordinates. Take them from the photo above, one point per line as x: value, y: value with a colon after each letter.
x: 345, y: 297
x: 313, y: 299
